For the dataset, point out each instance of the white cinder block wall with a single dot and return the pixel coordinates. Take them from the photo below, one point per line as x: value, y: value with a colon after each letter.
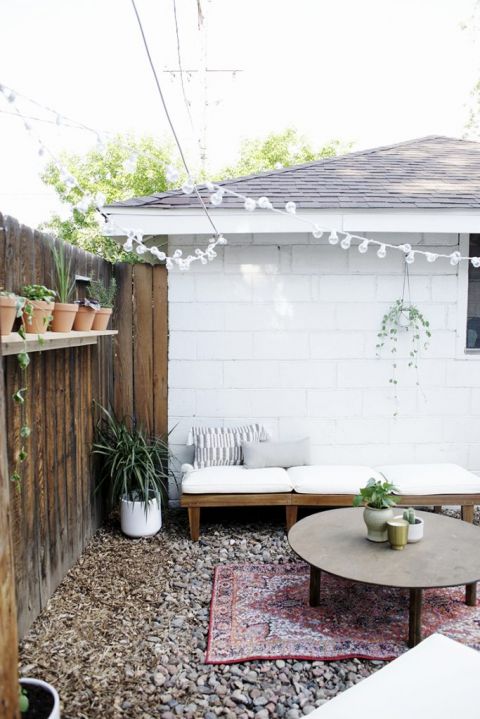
x: 282, y: 329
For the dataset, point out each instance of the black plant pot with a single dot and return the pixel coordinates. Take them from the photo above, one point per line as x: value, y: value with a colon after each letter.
x: 43, y: 700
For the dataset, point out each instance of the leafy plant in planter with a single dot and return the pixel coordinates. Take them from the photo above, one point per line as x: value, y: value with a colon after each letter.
x: 105, y: 296
x: 38, y: 307
x: 378, y: 499
x: 403, y: 316
x: 65, y: 310
x: 136, y: 468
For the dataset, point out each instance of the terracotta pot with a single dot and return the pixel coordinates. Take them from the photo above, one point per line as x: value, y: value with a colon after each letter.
x: 63, y: 317
x: 84, y: 319
x: 8, y: 312
x: 38, y: 321
x: 102, y: 318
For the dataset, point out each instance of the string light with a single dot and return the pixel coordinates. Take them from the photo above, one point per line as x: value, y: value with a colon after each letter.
x: 346, y: 242
x: 363, y: 247
x: 410, y: 258
x: 382, y: 251
x: 333, y: 238
x: 317, y: 232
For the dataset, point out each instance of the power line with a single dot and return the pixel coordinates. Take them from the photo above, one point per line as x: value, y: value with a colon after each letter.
x: 169, y: 119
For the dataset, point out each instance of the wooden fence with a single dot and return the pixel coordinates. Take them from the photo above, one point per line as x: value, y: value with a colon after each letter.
x: 55, y: 510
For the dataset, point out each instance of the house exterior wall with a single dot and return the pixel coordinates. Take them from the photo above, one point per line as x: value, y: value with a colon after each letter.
x: 282, y: 329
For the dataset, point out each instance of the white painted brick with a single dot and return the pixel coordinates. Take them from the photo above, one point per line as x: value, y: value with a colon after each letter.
x: 182, y: 453
x: 441, y: 344
x: 415, y: 430
x: 334, y: 403
x: 223, y: 345
x: 364, y: 373
x: 321, y: 260
x: 248, y: 260
x: 204, y: 315
x: 361, y: 316
x: 441, y: 452
x: 181, y: 402
x: 307, y: 374
x: 475, y: 401
x: 431, y: 373
x: 444, y: 401
x: 280, y: 345
x: 464, y: 373
x: 369, y: 454
x: 358, y: 430
x: 196, y: 374
x: 251, y: 403
x: 181, y: 287
x: 344, y: 288
x: 460, y: 429
x: 338, y: 345
x: 182, y: 345
x: 390, y: 287
x: 444, y: 288
x: 282, y: 238
x: 473, y: 462
x: 222, y: 288
x: 281, y: 290
x: 251, y: 374
x: 281, y: 315
x: 270, y: 424
x: 381, y: 402
x: 319, y: 431
x: 370, y: 264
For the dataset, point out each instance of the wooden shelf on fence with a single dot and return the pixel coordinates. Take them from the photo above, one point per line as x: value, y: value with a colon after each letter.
x: 13, y: 344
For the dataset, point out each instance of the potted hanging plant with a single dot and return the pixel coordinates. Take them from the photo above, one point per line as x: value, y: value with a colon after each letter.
x: 135, y: 468
x: 87, y: 310
x: 37, y: 309
x: 105, y: 296
x: 38, y: 700
x: 10, y: 307
x: 378, y: 500
x: 403, y: 317
x: 64, y: 310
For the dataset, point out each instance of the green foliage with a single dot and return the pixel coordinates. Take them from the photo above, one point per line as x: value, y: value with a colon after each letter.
x: 104, y: 172
x: 105, y: 296
x: 279, y: 149
x: 376, y: 494
x: 65, y: 282
x: 132, y: 463
x: 409, y: 515
x: 38, y: 292
x: 23, y: 702
x: 403, y: 316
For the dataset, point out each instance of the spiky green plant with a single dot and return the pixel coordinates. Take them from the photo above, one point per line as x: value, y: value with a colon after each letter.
x: 132, y: 463
x: 105, y: 296
x: 409, y: 515
x: 65, y: 282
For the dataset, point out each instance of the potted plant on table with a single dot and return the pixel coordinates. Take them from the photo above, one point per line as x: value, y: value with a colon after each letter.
x: 378, y: 499
x: 65, y: 310
x: 105, y: 296
x: 135, y: 467
x: 415, y: 525
x: 38, y: 700
x: 37, y: 310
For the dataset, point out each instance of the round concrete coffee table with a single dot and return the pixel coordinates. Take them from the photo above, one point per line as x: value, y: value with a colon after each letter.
x: 336, y: 542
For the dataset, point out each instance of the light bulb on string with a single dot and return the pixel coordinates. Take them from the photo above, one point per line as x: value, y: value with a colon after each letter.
x: 333, y: 237
x: 210, y: 186
x: 217, y: 198
x: 455, y: 258
x: 100, y: 199
x: 405, y: 248
x: 84, y: 204
x: 346, y: 242
x: 410, y: 258
x: 177, y: 254
x: 382, y: 251
x: 168, y: 263
x: 249, y: 204
x: 475, y: 261
x: 431, y: 256
x: 188, y: 187
x: 291, y: 208
x: 363, y: 247
x: 264, y: 203
x: 141, y: 249
x: 128, y: 246
x: 221, y: 240
x: 317, y: 232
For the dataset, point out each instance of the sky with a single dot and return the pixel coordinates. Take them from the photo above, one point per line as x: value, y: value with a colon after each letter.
x: 371, y: 72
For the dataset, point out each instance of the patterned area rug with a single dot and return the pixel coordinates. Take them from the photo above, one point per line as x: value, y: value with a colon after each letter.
x: 261, y: 611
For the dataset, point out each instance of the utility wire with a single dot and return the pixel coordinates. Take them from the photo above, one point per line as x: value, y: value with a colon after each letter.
x: 180, y: 67
x: 162, y: 98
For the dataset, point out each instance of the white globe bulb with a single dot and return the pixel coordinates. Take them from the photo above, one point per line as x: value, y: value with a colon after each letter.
x: 168, y: 263
x: 317, y: 232
x: 431, y: 256
x: 172, y: 174
x: 141, y: 249
x: 177, y: 254
x: 161, y: 256
x: 382, y: 251
x: 455, y: 258
x: 128, y: 246
x: 221, y: 240
x: 264, y: 203
x: 363, y: 247
x: 406, y: 248
x: 346, y: 242
x: 333, y: 238
x: 249, y: 204
x: 210, y: 186
x: 100, y: 199
x: 475, y: 261
x: 188, y: 187
x: 291, y: 208
x: 410, y: 258
x: 216, y: 199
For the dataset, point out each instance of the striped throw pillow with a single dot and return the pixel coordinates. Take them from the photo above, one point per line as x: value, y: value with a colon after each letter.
x: 222, y: 446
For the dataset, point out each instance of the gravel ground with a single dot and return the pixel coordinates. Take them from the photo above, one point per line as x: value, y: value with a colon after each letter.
x: 125, y: 633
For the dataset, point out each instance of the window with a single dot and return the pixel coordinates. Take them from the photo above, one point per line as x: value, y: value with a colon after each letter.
x: 473, y: 310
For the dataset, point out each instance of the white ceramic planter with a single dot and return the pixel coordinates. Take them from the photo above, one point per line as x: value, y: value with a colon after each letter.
x: 136, y: 522
x: 415, y: 531
x: 55, y: 713
x: 376, y: 521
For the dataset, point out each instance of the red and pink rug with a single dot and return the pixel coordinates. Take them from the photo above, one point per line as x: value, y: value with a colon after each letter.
x: 261, y: 611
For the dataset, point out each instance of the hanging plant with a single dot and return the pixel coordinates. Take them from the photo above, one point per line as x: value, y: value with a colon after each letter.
x: 403, y: 317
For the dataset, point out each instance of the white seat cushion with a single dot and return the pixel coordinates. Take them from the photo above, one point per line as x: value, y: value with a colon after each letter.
x: 431, y: 478
x: 419, y: 674
x: 331, y: 479
x: 236, y: 480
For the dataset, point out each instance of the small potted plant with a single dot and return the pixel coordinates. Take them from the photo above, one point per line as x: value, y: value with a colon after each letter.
x: 37, y: 310
x: 87, y: 310
x: 38, y: 700
x: 378, y: 500
x: 415, y: 525
x: 135, y: 467
x: 65, y: 310
x: 9, y: 308
x: 105, y: 296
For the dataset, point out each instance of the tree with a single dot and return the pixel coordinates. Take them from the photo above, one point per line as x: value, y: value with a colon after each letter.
x: 277, y: 150
x: 126, y: 167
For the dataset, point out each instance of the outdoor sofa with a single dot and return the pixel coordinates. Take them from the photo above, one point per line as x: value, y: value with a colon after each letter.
x: 434, y: 485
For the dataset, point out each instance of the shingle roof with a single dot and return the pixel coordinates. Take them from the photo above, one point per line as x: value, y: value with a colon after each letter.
x: 431, y: 172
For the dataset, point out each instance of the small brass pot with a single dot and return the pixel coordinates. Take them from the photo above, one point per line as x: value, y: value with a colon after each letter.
x: 397, y: 533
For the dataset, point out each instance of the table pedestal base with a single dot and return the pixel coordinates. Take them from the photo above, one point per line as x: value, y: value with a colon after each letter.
x: 315, y: 583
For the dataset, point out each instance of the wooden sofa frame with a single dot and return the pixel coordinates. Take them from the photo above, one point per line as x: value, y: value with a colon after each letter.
x: 292, y: 501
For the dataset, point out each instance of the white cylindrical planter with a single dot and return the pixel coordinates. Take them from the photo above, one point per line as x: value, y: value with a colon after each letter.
x: 26, y: 682
x: 136, y: 522
x: 415, y: 531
